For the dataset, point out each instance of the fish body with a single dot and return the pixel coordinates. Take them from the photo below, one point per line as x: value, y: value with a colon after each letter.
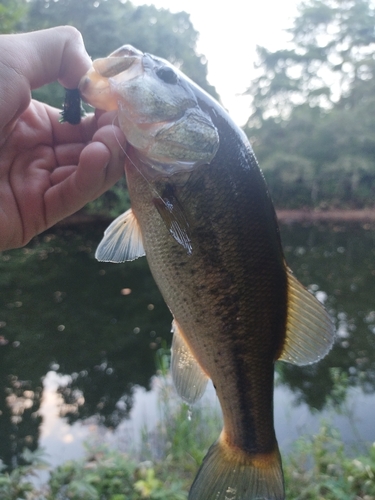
x: 202, y: 214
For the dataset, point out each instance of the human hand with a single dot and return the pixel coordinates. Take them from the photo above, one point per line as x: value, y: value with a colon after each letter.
x: 48, y: 170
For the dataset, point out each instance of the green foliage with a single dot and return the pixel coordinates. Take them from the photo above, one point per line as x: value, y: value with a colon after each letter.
x: 112, y: 203
x: 317, y: 158
x: 320, y: 469
x: 106, y: 25
x: 171, y: 454
x: 103, y: 474
x: 16, y: 485
x: 183, y: 434
x: 330, y: 55
x: 11, y: 14
x: 314, y: 107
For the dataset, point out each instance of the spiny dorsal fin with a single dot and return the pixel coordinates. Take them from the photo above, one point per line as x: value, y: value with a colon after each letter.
x: 187, y: 375
x: 310, y: 331
x: 122, y: 240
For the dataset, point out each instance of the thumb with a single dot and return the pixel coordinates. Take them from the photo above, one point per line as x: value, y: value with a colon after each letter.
x: 30, y: 60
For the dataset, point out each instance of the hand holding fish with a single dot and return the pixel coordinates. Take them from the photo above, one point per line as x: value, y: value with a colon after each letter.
x: 48, y: 170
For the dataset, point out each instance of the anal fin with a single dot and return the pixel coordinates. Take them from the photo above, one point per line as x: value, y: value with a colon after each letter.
x: 187, y: 375
x: 310, y: 332
x: 122, y: 240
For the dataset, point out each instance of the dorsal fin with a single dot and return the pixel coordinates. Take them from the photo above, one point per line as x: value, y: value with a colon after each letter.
x: 310, y: 332
x: 122, y: 240
x: 187, y: 375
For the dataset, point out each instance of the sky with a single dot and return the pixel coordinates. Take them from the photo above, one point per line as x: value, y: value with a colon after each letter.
x: 229, y: 33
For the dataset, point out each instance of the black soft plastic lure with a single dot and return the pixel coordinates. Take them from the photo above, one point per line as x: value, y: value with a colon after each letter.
x: 72, y: 108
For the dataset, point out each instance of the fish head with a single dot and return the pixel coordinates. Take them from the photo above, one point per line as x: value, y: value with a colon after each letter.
x: 158, y: 110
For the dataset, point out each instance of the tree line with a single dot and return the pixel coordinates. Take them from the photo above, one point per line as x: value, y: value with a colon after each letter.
x: 312, y: 120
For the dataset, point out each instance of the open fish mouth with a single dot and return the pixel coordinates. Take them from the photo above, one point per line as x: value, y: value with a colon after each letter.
x: 123, y: 64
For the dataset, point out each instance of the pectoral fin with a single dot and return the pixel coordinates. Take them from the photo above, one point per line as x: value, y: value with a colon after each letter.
x: 122, y: 240
x: 174, y: 218
x: 310, y: 332
x: 187, y: 375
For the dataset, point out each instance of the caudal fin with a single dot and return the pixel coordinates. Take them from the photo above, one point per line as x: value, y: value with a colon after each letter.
x: 228, y: 473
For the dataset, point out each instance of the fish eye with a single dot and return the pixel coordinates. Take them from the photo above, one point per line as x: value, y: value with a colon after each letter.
x: 167, y: 75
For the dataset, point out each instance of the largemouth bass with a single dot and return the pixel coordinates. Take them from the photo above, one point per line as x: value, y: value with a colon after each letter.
x: 202, y: 215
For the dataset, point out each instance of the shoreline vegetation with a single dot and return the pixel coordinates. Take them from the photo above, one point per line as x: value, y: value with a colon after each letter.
x: 318, y: 467
x: 162, y: 462
x: 329, y: 215
x: 285, y: 216
x: 311, y: 125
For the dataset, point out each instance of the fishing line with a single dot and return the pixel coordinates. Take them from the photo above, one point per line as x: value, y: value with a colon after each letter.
x: 152, y: 188
x: 179, y: 232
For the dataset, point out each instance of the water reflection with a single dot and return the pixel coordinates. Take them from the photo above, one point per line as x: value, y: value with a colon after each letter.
x: 62, y: 310
x: 101, y: 324
x: 337, y: 260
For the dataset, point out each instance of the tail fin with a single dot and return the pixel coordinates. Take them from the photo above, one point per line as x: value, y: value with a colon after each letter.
x: 228, y: 473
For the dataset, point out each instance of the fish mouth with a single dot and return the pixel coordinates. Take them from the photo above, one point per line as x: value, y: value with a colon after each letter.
x: 118, y: 61
x: 123, y: 64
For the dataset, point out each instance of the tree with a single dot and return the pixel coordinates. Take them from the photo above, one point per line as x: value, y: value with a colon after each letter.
x: 314, y: 107
x: 330, y: 55
x: 11, y: 13
x: 107, y: 24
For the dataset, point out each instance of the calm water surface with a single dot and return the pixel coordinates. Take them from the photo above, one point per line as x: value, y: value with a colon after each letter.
x: 95, y: 329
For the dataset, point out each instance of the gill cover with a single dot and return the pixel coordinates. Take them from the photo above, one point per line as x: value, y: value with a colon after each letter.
x: 157, y: 109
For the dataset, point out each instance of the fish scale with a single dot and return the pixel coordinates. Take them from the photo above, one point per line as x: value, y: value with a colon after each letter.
x: 219, y: 270
x: 202, y: 215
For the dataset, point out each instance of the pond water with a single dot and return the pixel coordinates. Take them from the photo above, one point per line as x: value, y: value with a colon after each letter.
x: 78, y: 341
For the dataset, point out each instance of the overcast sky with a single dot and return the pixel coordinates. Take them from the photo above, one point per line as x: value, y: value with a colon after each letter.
x: 229, y: 33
